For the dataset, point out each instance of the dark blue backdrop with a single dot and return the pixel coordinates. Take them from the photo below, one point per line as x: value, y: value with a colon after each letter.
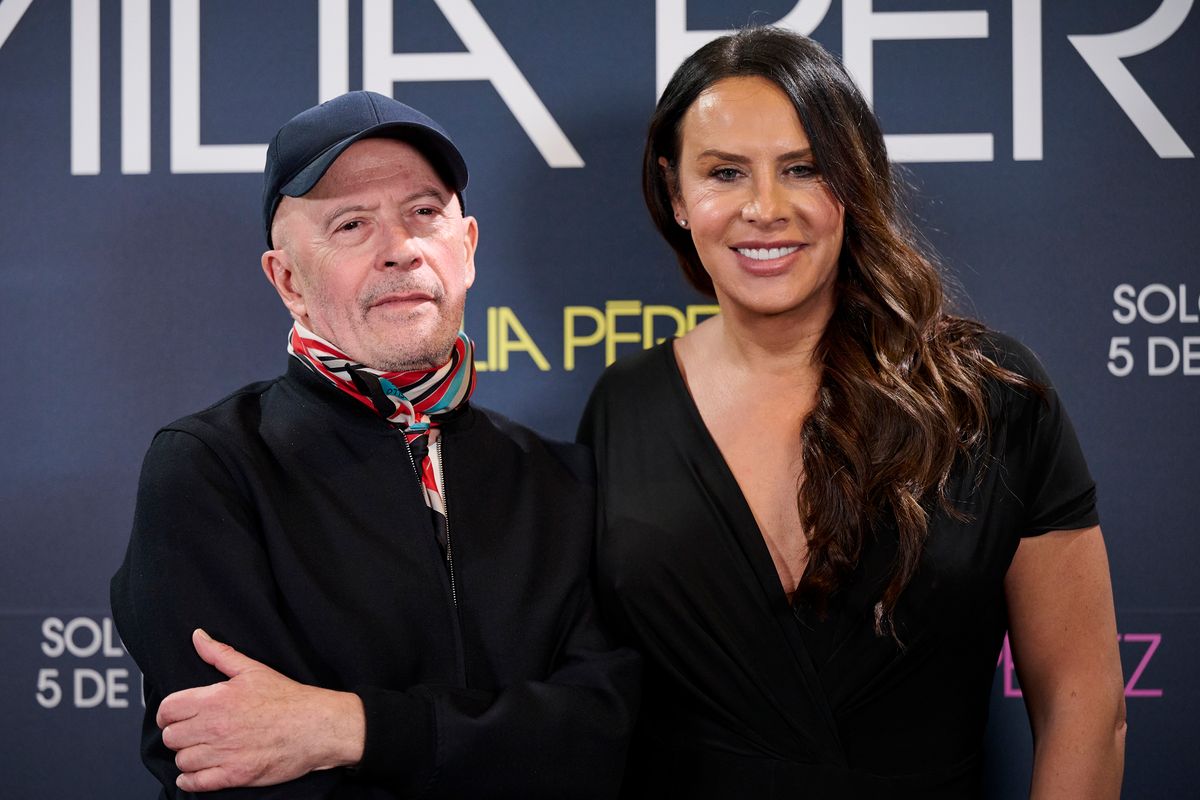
x: 129, y: 244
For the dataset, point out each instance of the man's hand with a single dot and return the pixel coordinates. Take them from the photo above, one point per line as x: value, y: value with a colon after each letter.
x: 258, y: 728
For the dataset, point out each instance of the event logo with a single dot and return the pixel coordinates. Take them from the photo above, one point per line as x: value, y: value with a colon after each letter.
x: 1156, y: 304
x: 862, y: 26
x: 82, y: 639
x: 619, y: 322
x: 1139, y: 646
x: 485, y: 58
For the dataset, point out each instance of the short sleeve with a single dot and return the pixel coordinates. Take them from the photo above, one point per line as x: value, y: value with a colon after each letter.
x: 1043, y: 455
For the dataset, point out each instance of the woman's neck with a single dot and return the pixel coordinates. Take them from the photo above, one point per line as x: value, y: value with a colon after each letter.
x: 781, y: 346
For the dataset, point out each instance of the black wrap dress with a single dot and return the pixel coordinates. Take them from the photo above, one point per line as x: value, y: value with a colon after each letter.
x: 746, y: 696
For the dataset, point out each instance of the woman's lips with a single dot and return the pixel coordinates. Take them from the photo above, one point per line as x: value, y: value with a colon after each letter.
x: 767, y: 253
x: 766, y: 259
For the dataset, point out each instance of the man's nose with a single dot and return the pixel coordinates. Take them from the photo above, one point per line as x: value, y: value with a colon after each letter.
x: 400, y: 248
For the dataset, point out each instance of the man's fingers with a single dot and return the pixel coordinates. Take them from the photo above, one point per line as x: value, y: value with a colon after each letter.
x: 205, y: 780
x: 229, y: 661
x: 174, y: 737
x: 188, y: 733
x: 197, y: 758
x: 207, y: 769
x: 180, y: 705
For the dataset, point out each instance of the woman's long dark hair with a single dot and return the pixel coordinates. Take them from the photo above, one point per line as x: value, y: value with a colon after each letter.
x: 902, y: 392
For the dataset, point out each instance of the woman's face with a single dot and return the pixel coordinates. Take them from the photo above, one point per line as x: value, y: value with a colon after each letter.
x: 766, y: 226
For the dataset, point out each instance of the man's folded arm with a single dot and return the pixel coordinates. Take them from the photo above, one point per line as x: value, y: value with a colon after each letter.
x: 196, y: 560
x: 565, y: 736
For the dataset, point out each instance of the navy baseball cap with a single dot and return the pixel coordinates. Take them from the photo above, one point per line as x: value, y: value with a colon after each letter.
x: 305, y: 147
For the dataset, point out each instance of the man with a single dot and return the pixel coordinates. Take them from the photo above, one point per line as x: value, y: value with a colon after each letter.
x: 404, y: 576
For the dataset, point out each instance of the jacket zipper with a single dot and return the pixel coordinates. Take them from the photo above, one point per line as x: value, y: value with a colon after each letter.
x: 446, y: 507
x: 445, y: 504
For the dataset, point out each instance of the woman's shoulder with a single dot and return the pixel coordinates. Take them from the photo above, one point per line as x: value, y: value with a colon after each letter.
x: 629, y: 391
x: 1023, y: 393
x: 1013, y: 355
x: 638, y: 371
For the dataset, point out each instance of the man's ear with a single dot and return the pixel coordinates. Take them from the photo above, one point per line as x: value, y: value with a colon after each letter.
x: 280, y: 270
x: 470, y: 242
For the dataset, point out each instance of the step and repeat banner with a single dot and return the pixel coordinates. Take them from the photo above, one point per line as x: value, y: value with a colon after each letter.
x: 1050, y: 145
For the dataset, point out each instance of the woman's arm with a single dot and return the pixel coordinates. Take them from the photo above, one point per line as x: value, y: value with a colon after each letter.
x: 1062, y: 630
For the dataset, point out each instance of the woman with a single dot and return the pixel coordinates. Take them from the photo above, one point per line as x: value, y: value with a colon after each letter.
x: 825, y: 506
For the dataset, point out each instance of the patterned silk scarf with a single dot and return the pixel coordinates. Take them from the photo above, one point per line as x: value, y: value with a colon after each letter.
x: 414, y: 402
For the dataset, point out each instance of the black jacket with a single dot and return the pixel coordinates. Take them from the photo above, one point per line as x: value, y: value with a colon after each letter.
x: 286, y: 520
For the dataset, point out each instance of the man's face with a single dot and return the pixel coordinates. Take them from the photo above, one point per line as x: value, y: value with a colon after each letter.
x: 377, y: 258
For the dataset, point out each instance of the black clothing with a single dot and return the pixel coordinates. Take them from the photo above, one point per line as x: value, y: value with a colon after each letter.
x: 287, y: 521
x: 746, y: 696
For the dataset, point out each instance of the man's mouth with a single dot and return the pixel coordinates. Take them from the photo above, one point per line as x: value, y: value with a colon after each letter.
x: 402, y: 298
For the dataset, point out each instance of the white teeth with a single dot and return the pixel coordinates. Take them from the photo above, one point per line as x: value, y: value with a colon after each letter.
x: 766, y: 254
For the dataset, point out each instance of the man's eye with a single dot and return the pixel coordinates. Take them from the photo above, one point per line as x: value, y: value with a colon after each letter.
x: 426, y: 211
x: 353, y: 224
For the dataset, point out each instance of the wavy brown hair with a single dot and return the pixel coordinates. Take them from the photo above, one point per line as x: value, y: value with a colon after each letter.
x: 902, y: 393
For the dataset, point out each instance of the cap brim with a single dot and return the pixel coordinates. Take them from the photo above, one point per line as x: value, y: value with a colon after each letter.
x: 448, y: 162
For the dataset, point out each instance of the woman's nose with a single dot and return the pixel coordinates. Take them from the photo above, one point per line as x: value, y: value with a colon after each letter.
x: 767, y: 203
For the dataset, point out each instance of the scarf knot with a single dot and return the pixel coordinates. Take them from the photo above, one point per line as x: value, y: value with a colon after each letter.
x: 413, y: 401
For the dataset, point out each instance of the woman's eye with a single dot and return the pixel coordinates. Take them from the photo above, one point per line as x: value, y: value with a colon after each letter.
x: 802, y: 170
x: 725, y: 174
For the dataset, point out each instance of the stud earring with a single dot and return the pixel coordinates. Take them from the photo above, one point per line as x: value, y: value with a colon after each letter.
x: 682, y: 222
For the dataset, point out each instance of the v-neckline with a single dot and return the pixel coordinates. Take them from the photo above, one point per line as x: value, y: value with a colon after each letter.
x: 679, y: 383
x: 754, y: 546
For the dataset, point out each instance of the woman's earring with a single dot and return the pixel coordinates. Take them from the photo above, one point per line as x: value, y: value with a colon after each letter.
x: 682, y: 222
